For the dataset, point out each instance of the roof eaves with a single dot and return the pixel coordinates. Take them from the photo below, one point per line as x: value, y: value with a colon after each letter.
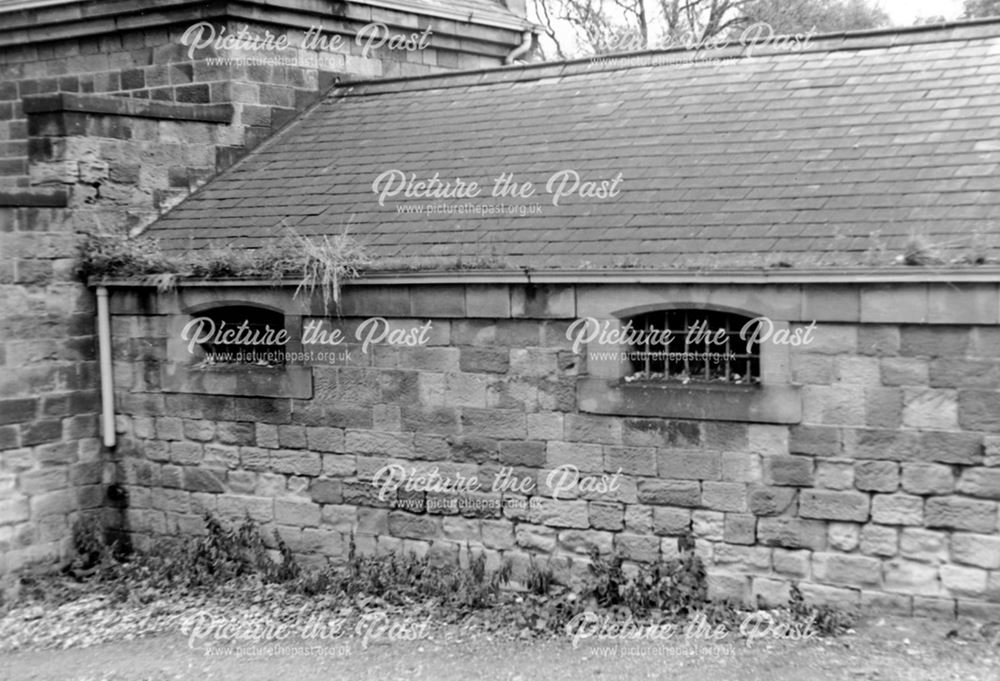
x: 510, y: 21
x: 619, y: 61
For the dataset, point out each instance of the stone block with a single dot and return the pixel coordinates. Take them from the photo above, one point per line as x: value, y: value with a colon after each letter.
x: 199, y: 430
x: 927, y: 478
x: 39, y: 481
x: 991, y: 451
x: 876, y: 476
x: 940, y: 447
x: 266, y: 435
x: 790, y: 471
x: 898, y: 509
x: 379, y: 443
x: 631, y: 460
x: 878, y: 540
x: 339, y: 465
x: 582, y: 542
x: 739, y: 528
x: 235, y: 433
x: 934, y: 608
x: 589, y: 458
x: 792, y: 533
x: 237, y: 507
x: 930, y: 408
x: 770, y: 501
x: 837, y: 405
x: 983, y: 483
x: 857, y: 370
x: 724, y: 496
x: 979, y: 410
x: 535, y: 362
x: 186, y: 453
x: 883, y: 407
x: 221, y: 456
x: 326, y: 491
x: 484, y: 360
x: 882, y: 603
x: 843, y: 536
x: 741, y: 467
x: 833, y: 474
x: 689, y: 465
x: 724, y: 586
x: 535, y: 537
x: 792, y: 563
x: 529, y: 454
x: 812, y: 369
x: 498, y: 534
x: 709, y: 525
x: 545, y: 426
x: 14, y: 511
x: 745, y: 559
x: 926, y: 546
x: 670, y: 492
x: 297, y: 512
x: 59, y: 502
x: 834, y: 505
x: 959, y: 513
x: 607, y: 516
x: 640, y: 548
x: 976, y: 549
x: 408, y: 526
x: 491, y: 301
x: 505, y: 424
x: 323, y: 439
x: 771, y: 593
x: 204, y: 480
x: 904, y: 371
x: 296, y: 462
x: 964, y: 581
x: 671, y: 521
x: 814, y: 440
x: 846, y: 570
x: 597, y: 429
x: 559, y: 513
x: 934, y: 341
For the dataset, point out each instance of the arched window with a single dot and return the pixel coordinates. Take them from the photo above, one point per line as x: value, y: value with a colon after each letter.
x: 239, y: 334
x: 691, y: 345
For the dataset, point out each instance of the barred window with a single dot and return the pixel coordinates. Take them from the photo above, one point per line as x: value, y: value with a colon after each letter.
x: 691, y: 345
x: 239, y: 334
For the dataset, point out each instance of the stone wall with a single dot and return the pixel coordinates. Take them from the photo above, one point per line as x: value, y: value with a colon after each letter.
x: 51, y: 464
x: 882, y: 489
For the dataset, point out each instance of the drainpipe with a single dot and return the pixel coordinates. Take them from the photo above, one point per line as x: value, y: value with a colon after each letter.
x: 104, y: 357
x: 525, y: 45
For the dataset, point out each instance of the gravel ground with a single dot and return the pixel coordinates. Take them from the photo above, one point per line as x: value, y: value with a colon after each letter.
x: 878, y: 649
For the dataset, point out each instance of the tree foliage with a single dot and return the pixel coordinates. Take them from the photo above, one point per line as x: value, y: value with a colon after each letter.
x: 977, y: 9
x: 584, y: 27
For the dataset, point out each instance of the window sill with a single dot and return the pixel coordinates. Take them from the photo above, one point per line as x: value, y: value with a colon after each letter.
x: 706, y: 402
x: 237, y: 379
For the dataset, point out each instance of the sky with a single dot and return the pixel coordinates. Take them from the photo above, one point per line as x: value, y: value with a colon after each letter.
x: 904, y: 12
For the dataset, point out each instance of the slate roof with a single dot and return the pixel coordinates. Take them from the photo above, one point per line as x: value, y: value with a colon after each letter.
x: 835, y: 155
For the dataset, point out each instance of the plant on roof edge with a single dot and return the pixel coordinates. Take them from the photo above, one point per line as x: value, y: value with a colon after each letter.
x: 326, y: 262
x: 321, y: 263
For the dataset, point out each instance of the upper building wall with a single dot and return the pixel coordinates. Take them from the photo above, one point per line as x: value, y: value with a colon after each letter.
x: 179, y: 54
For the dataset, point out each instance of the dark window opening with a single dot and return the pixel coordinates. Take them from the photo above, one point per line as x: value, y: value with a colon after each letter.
x: 691, y: 346
x: 241, y: 334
